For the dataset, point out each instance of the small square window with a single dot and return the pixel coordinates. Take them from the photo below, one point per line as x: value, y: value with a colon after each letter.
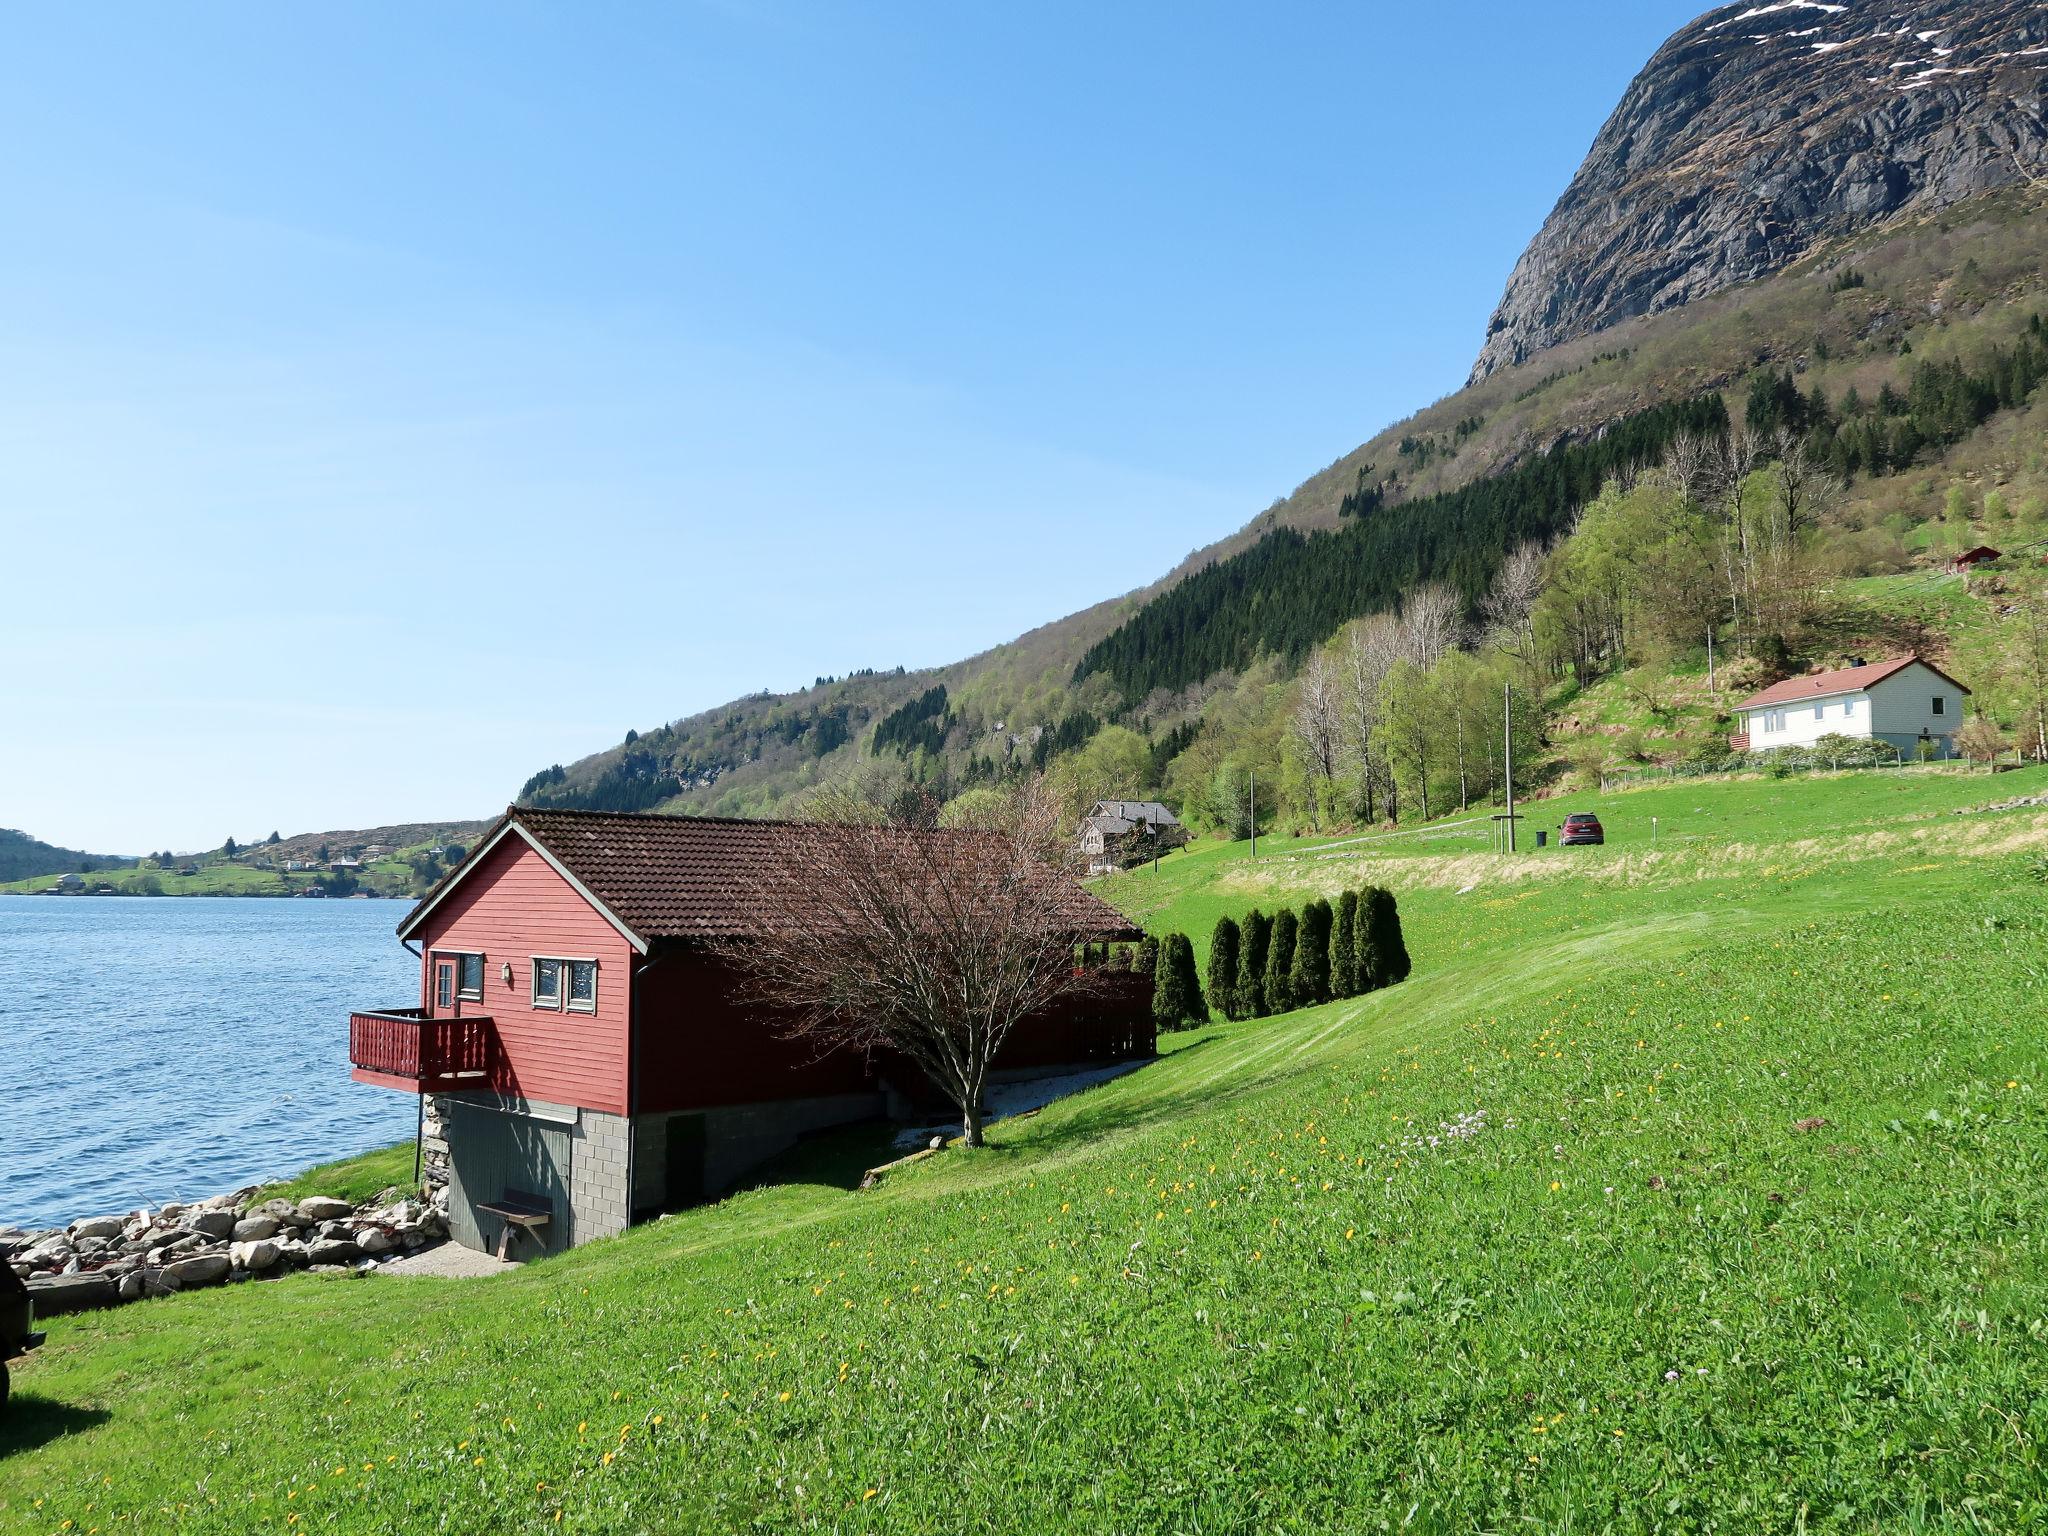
x: 547, y: 984
x: 583, y: 986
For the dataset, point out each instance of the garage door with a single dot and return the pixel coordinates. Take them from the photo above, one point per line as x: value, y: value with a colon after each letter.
x: 493, y: 1154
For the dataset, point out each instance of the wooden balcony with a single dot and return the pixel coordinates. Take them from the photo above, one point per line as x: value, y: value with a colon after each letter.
x: 404, y: 1049
x: 1739, y: 742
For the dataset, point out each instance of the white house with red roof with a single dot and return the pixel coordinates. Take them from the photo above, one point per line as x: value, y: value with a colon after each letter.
x: 1904, y: 701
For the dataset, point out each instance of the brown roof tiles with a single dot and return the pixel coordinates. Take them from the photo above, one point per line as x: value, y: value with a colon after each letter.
x: 680, y: 877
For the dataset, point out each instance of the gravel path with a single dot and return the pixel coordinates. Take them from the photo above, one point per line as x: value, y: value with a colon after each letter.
x: 450, y: 1260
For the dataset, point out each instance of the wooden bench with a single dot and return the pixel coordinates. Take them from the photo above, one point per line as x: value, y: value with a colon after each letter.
x: 520, y: 1212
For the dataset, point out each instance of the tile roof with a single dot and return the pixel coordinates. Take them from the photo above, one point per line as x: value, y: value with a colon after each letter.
x: 1824, y: 685
x: 677, y: 877
x: 1138, y: 810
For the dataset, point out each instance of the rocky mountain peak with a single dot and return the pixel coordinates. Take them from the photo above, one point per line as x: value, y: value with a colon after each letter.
x: 1762, y: 130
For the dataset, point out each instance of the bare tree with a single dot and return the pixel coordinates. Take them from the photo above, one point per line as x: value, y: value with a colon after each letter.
x: 2029, y: 651
x: 865, y: 933
x: 1429, y: 623
x: 1317, y: 727
x: 1510, y: 602
x: 1369, y: 655
x: 1803, y: 490
x: 1691, y: 465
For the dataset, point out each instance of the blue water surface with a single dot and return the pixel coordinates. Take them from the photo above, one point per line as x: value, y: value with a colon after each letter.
x: 171, y: 1048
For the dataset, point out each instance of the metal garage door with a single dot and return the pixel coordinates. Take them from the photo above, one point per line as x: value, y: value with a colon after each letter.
x: 493, y: 1154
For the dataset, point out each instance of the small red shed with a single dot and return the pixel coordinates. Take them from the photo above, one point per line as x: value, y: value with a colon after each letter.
x: 1970, y: 559
x: 586, y: 1061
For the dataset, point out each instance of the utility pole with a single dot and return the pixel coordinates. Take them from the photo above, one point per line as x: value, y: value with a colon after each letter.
x: 1710, y: 660
x: 1507, y: 743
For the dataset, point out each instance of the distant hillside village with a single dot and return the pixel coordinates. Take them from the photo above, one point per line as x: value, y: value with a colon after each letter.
x: 397, y: 861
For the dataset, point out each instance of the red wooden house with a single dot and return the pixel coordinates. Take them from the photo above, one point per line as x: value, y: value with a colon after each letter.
x: 589, y: 1062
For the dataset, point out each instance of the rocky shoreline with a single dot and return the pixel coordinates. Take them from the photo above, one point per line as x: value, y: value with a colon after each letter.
x: 102, y: 1261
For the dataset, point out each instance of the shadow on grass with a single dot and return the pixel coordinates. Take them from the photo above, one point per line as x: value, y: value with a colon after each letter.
x: 833, y: 1159
x: 30, y: 1420
x: 1099, y: 1114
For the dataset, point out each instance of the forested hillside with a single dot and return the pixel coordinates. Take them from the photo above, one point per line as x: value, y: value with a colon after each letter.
x: 22, y: 857
x: 1880, y: 402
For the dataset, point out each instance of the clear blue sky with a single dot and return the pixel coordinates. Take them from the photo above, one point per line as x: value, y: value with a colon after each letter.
x: 395, y: 399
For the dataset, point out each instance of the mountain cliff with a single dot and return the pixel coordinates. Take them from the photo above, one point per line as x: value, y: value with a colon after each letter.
x: 1759, y: 132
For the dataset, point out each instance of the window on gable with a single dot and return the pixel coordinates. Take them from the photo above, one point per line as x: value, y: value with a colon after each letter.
x: 565, y: 985
x: 1940, y: 705
x: 583, y: 986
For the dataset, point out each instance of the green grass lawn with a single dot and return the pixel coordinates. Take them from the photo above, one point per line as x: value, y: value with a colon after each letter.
x: 1701, y: 1187
x: 355, y: 1179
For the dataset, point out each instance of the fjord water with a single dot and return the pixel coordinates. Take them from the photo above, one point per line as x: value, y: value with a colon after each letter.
x: 168, y: 1048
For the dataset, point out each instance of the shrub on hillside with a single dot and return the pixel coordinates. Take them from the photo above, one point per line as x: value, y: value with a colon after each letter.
x: 1146, y: 961
x: 1176, y: 994
x: 1251, y: 966
x: 1223, y: 964
x: 1309, y: 979
x: 1344, y: 947
x: 1280, y: 962
x: 1383, y: 951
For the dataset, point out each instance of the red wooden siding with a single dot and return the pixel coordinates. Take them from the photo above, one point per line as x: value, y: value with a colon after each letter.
x: 700, y: 1047
x: 512, y: 908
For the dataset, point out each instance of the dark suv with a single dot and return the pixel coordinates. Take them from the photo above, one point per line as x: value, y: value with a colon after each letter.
x: 1581, y: 829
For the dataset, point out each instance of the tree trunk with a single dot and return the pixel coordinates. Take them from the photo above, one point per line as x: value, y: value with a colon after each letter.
x: 970, y: 1109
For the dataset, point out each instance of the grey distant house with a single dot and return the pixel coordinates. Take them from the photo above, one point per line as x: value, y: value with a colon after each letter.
x: 1120, y: 832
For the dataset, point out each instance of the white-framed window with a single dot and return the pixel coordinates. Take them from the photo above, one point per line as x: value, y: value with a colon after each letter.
x: 564, y: 985
x: 1848, y: 709
x: 1940, y: 704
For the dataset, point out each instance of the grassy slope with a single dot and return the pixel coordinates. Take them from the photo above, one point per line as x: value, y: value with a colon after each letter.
x: 1226, y: 1293
x: 354, y: 1179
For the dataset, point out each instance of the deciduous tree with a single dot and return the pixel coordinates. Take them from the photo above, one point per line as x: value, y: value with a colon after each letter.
x: 863, y: 932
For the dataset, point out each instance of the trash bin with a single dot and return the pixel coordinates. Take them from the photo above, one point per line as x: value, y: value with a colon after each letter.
x: 1543, y: 837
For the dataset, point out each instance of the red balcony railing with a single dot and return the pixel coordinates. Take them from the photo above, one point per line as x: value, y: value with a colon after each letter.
x: 1739, y: 742
x: 426, y: 1055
